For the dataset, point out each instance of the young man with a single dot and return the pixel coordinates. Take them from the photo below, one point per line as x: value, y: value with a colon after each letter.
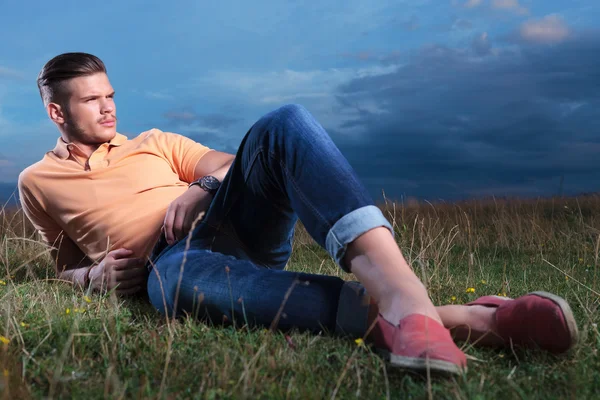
x: 109, y: 206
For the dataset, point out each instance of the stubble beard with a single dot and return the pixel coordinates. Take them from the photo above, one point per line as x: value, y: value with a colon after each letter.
x: 74, y: 130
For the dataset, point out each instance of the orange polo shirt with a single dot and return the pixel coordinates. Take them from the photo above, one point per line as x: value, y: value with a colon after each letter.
x: 117, y: 198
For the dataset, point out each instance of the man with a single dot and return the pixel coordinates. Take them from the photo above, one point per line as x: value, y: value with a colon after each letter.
x: 109, y: 206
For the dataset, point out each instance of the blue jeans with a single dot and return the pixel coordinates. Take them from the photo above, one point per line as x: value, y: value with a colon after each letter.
x: 287, y: 167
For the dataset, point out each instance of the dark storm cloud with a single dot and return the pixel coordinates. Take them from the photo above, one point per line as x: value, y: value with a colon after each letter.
x: 457, y: 123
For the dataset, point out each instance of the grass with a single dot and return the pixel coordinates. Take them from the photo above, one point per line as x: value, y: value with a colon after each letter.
x: 57, y: 343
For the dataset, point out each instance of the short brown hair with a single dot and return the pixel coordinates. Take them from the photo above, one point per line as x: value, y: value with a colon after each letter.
x: 62, y: 68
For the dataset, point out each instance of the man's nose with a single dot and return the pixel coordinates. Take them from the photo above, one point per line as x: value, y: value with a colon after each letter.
x: 107, y: 107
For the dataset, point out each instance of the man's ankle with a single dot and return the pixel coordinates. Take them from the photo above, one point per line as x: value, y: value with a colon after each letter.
x: 395, y: 308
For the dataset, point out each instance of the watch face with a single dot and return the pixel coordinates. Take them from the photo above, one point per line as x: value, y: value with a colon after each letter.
x: 211, y: 182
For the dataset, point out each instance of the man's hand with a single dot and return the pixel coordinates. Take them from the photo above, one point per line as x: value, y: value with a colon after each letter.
x: 183, y: 211
x: 121, y: 271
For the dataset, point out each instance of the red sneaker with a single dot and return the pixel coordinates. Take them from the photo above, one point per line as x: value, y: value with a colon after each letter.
x: 538, y: 319
x: 418, y: 343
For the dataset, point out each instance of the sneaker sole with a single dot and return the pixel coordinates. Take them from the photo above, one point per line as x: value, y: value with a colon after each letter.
x: 422, y: 364
x: 567, y: 314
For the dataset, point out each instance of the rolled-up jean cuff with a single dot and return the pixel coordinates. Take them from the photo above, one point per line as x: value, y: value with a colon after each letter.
x: 353, y: 311
x: 351, y: 226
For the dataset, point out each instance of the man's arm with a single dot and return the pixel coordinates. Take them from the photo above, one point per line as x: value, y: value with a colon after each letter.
x: 71, y: 263
x: 185, y: 210
x: 215, y: 163
x: 118, y: 270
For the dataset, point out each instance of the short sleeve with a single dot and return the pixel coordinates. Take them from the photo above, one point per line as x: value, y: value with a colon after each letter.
x: 67, y: 252
x: 183, y: 153
x: 48, y: 229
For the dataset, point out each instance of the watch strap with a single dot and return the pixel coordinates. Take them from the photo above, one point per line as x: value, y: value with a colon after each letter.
x: 200, y: 182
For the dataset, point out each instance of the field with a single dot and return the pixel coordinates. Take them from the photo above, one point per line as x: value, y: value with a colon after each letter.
x: 58, y: 343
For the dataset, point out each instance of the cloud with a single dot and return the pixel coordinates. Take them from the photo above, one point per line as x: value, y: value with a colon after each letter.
x: 219, y: 120
x: 460, y: 24
x: 510, y: 5
x: 368, y: 15
x: 549, y: 29
x: 213, y: 122
x: 472, y: 3
x: 211, y: 130
x: 288, y: 82
x: 9, y: 73
x: 481, y: 45
x: 158, y: 95
x: 455, y: 124
x: 8, y: 169
x: 392, y: 58
x: 387, y: 58
x: 267, y: 90
x: 360, y: 56
x: 211, y: 138
x: 181, y: 116
x: 23, y: 144
x: 411, y: 24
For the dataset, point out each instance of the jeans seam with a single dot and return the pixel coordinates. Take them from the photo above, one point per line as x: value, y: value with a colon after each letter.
x: 233, y: 201
x: 251, y: 163
x: 297, y: 189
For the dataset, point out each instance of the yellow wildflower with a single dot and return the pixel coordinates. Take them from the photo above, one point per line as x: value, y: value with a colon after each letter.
x: 453, y: 298
x: 581, y: 260
x: 2, y: 282
x: 4, y: 340
x: 483, y: 281
x: 566, y: 278
x: 470, y: 290
x: 24, y: 325
x: 87, y: 299
x: 359, y: 342
x: 68, y: 311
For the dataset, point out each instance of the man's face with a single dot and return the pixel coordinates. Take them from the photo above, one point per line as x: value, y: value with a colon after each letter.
x: 90, y: 112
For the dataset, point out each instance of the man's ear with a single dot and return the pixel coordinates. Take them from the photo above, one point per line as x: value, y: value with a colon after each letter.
x: 56, y: 113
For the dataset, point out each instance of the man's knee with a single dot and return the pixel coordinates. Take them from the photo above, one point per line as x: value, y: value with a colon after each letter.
x: 288, y: 113
x: 293, y: 111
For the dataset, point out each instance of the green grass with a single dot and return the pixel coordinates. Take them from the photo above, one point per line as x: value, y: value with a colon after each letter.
x: 122, y: 348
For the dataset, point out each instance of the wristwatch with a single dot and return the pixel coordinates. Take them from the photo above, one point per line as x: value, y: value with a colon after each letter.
x: 208, y: 183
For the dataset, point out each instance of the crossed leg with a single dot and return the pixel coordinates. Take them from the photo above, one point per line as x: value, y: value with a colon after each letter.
x: 288, y: 167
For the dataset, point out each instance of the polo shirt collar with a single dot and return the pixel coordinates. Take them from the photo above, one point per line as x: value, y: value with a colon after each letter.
x: 62, y: 148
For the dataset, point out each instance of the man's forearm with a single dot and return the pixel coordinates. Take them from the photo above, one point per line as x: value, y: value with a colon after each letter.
x: 217, y: 167
x: 222, y: 172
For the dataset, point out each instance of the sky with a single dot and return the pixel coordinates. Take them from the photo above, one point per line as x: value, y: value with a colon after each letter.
x: 428, y: 99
